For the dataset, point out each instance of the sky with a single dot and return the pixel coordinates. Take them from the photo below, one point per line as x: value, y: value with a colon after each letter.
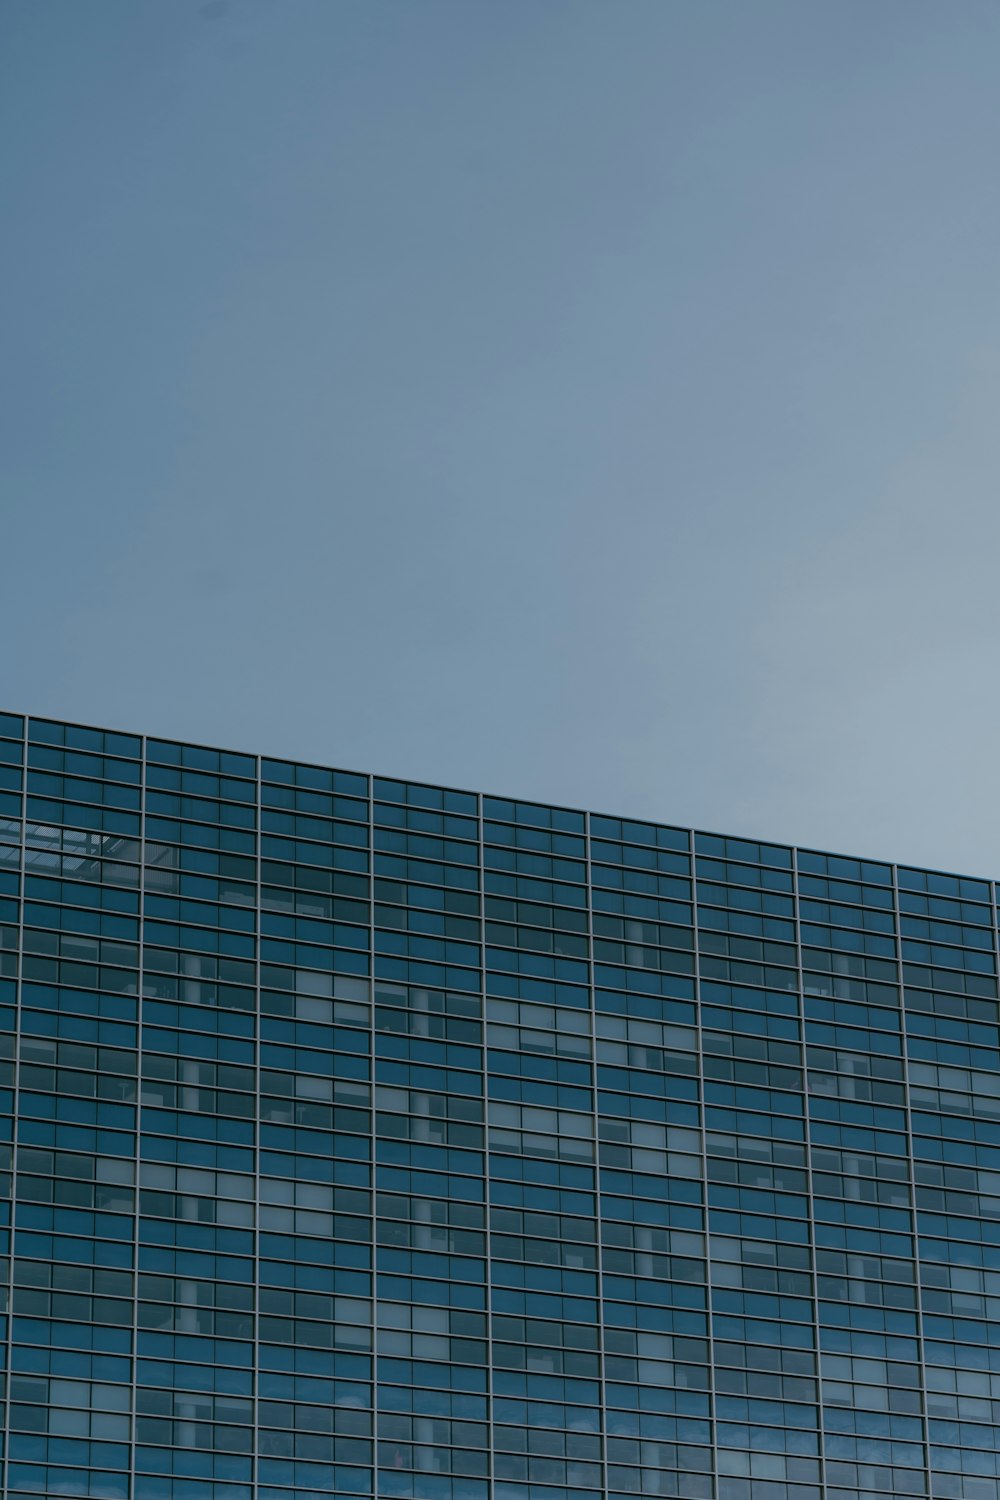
x: 587, y: 401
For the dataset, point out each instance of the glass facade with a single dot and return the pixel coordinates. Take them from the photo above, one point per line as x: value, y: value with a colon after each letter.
x: 369, y: 1138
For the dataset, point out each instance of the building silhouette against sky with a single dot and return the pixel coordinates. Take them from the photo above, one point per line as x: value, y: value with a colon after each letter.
x: 370, y: 1138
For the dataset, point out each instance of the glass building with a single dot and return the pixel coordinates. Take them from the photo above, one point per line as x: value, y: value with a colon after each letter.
x: 370, y: 1138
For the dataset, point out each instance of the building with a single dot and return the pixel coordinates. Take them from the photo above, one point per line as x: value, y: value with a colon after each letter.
x: 681, y: 1175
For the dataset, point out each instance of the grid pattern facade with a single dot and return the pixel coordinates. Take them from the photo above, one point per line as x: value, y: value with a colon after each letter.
x: 368, y: 1138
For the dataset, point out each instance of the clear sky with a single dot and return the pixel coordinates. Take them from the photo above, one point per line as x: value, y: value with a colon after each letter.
x: 588, y: 402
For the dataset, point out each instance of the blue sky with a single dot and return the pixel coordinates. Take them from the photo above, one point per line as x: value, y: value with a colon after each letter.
x: 591, y: 402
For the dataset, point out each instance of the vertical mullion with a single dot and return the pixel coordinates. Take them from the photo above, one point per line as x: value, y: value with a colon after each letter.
x: 15, y: 1098
x: 255, y: 1390
x: 373, y: 1134
x: 912, y: 1172
x: 807, y: 1140
x: 703, y: 1133
x: 138, y: 1118
x: 595, y: 1127
x: 487, y: 1226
